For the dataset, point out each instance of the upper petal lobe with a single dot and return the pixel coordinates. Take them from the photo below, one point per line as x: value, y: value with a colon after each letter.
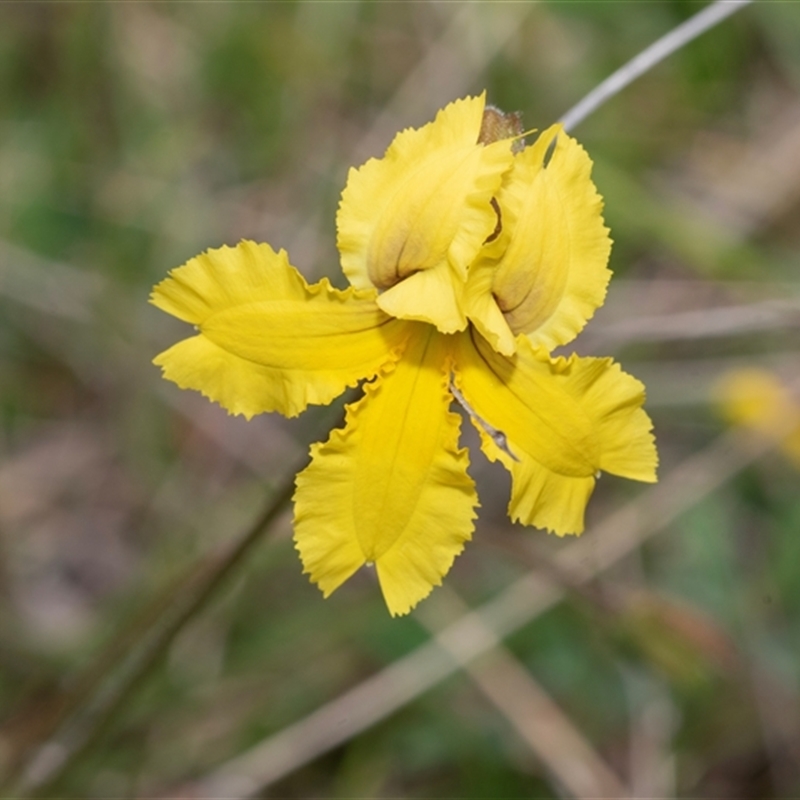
x: 549, y: 265
x: 424, y: 206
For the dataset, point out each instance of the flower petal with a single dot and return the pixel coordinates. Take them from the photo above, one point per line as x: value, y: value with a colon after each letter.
x: 540, y: 496
x: 391, y: 488
x: 268, y: 341
x: 426, y: 205
x: 430, y: 294
x: 564, y: 421
x: 551, y: 273
x: 482, y: 308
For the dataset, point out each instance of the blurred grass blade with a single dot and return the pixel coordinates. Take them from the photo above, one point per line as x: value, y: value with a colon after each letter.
x: 111, y: 682
x: 543, y: 726
x: 478, y: 631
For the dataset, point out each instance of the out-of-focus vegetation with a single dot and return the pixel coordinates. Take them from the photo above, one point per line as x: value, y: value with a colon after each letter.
x: 135, y: 135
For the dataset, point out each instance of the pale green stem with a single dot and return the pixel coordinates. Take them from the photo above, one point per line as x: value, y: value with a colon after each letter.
x: 710, y: 16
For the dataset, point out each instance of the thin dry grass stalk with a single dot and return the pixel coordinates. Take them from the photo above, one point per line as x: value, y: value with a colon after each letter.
x: 550, y: 734
x: 478, y: 632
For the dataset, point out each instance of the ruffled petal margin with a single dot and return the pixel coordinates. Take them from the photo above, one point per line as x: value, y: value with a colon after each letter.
x: 391, y: 488
x: 425, y: 206
x: 550, y: 261
x: 267, y: 340
x: 565, y: 420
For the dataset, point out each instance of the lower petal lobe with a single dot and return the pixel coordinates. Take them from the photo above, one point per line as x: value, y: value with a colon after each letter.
x: 267, y: 340
x: 565, y: 420
x: 391, y: 488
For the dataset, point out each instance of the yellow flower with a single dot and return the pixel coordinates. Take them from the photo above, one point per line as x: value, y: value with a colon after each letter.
x: 469, y: 259
x: 756, y: 398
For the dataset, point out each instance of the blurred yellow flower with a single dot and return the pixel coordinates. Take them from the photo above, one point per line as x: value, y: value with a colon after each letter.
x: 469, y: 259
x: 757, y: 399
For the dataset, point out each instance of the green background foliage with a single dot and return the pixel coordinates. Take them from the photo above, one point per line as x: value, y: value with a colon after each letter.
x: 135, y: 135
